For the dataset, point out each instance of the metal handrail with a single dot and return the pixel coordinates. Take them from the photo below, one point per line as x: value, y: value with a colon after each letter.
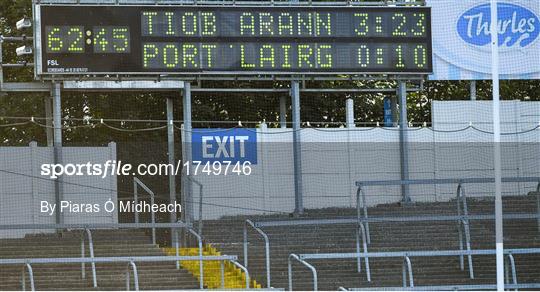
x: 380, y: 219
x: 415, y: 253
x: 463, y: 221
x: 439, y: 181
x: 360, y: 193
x: 200, y: 243
x: 246, y: 272
x: 407, y: 267
x: 88, y: 233
x: 461, y: 201
x: 407, y: 254
x: 137, y: 182
x: 222, y: 273
x: 72, y: 260
x: 266, y: 248
x: 200, y: 221
x: 361, y: 230
x: 130, y: 260
x: 512, y: 263
x: 135, y: 276
x: 27, y: 267
x: 480, y: 287
x: 201, y: 267
x: 312, y: 268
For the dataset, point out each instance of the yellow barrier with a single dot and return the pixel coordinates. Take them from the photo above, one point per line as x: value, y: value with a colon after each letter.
x: 234, y: 277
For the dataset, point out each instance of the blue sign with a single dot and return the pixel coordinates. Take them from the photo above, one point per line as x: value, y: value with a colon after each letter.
x: 388, y: 117
x: 234, y: 145
x: 517, y: 25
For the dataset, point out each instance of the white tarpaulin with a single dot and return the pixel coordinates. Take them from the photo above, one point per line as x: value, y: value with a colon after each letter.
x: 461, y: 39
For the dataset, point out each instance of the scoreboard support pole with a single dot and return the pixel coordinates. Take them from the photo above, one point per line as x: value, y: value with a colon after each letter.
x: 48, y: 120
x: 473, y: 89
x: 58, y: 159
x: 283, y: 112
x: 403, y: 139
x: 297, y: 151
x: 393, y: 98
x: 350, y: 113
x: 188, y: 127
x: 170, y: 151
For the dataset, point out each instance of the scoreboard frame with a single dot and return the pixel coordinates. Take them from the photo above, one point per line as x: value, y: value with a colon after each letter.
x: 39, y: 73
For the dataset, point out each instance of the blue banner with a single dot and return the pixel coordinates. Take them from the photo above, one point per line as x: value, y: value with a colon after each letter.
x: 235, y: 145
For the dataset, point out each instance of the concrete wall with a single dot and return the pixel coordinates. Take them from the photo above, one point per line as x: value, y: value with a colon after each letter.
x: 22, y: 188
x: 333, y: 159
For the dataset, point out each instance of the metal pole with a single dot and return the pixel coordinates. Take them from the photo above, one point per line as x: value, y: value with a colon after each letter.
x: 497, y: 149
x: 283, y: 111
x: 394, y: 110
x: 350, y: 113
x: 188, y: 200
x: 403, y: 139
x: 58, y: 159
x: 170, y: 151
x: 297, y: 152
x: 48, y: 121
x: 1, y: 67
x: 473, y: 90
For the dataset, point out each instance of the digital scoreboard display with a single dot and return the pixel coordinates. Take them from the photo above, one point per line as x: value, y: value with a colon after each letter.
x: 81, y: 39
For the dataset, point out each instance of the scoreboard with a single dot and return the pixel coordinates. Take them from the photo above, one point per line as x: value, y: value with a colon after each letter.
x: 169, y: 40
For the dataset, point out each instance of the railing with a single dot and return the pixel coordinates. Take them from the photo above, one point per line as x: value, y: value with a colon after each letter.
x: 407, y: 270
x: 27, y: 267
x: 266, y: 248
x: 244, y: 269
x: 360, y: 236
x: 88, y: 233
x: 461, y: 201
x: 135, y: 276
x: 407, y: 265
x: 200, y: 244
x: 463, y: 218
x: 380, y: 219
x: 200, y: 220
x: 361, y: 205
x: 136, y: 183
x: 484, y: 287
x: 512, y: 268
x: 312, y: 268
x: 131, y: 261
